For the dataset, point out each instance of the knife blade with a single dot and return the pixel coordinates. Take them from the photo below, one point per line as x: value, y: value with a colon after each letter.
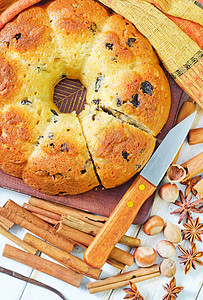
x: 142, y: 188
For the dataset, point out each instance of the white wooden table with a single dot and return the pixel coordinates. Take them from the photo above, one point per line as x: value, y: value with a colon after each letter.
x: 14, y: 289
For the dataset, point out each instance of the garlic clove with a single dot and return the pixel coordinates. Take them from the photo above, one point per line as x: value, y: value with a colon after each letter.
x: 168, y: 268
x: 169, y: 192
x: 172, y: 233
x: 145, y: 256
x: 176, y: 173
x: 165, y: 249
x: 153, y: 225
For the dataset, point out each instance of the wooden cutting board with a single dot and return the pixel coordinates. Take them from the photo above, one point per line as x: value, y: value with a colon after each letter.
x: 70, y: 95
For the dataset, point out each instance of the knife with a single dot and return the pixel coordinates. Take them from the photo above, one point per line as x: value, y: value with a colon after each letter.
x: 142, y: 188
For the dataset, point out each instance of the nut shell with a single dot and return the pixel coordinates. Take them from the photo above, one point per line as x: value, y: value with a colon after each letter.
x: 169, y: 192
x: 168, y: 267
x: 172, y: 233
x: 165, y: 249
x: 176, y: 173
x: 153, y: 225
x: 145, y: 256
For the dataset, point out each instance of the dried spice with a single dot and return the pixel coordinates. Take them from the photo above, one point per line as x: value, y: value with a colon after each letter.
x: 109, y: 46
x: 118, y: 101
x: 64, y: 148
x: 96, y: 101
x: 186, y: 207
x: 93, y: 117
x: 54, y: 120
x: 52, y: 145
x: 98, y: 83
x: 93, y: 28
x: 83, y: 171
x: 193, y: 230
x: 125, y: 155
x: 190, y: 257
x: 146, y: 87
x: 190, y: 183
x: 131, y: 42
x: 132, y: 292
x: 115, y: 60
x: 54, y: 112
x: 50, y: 135
x: 18, y: 36
x: 134, y: 100
x: 172, y: 290
x: 39, y: 138
x: 41, y: 68
x: 25, y: 101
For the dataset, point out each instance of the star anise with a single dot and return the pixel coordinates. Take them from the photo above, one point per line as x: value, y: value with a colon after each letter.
x: 186, y: 207
x: 190, y: 257
x: 133, y: 292
x: 172, y: 290
x: 193, y: 230
x: 190, y: 183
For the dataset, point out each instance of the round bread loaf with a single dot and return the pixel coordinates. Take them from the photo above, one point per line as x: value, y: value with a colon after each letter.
x: 128, y: 97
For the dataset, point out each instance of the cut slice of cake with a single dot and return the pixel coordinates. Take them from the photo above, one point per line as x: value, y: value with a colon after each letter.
x: 119, y: 150
x: 61, y: 163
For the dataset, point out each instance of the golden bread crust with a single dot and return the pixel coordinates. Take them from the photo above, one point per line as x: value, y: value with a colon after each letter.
x: 119, y: 150
x: 61, y: 164
x: 79, y: 39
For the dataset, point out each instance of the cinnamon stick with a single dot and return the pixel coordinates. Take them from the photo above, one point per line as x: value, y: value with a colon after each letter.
x: 74, y: 263
x: 66, y: 210
x: 20, y: 211
x: 5, y: 223
x: 47, y: 234
x: 42, y: 212
x: 199, y: 188
x: 94, y: 229
x: 86, y: 239
x: 123, y: 279
x: 193, y: 166
x: 43, y: 265
x: 186, y: 109
x: 18, y: 241
x: 116, y: 264
x: 195, y: 136
x: 46, y: 219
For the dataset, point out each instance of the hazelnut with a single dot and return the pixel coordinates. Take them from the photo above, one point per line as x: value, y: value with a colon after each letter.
x: 165, y: 249
x: 169, y: 192
x: 172, y: 233
x: 176, y: 173
x: 168, y: 267
x: 154, y: 225
x: 145, y: 256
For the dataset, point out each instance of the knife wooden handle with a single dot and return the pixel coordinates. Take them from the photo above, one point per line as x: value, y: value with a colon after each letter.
x: 118, y: 222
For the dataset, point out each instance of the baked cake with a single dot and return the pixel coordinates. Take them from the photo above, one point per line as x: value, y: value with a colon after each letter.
x: 128, y: 97
x: 118, y: 149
